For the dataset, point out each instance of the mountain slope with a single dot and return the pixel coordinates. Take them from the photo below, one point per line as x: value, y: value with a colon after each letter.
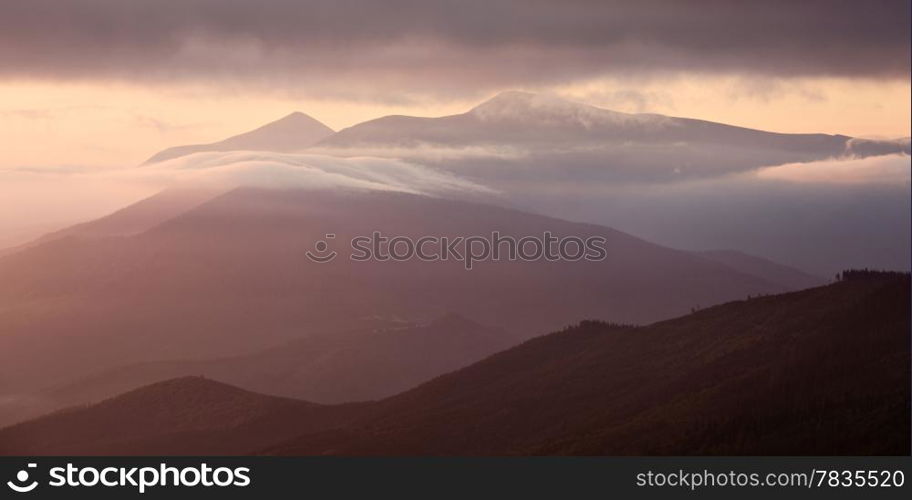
x: 329, y: 368
x: 818, y: 372
x: 774, y: 272
x: 681, y: 182
x: 521, y: 139
x: 230, y: 276
x: 542, y: 121
x: 188, y: 415
x: 133, y: 219
x: 294, y: 132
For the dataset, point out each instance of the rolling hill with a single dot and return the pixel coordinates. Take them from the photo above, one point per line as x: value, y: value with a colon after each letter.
x: 817, y: 372
x: 792, y: 278
x: 329, y: 368
x: 189, y: 415
x: 230, y: 276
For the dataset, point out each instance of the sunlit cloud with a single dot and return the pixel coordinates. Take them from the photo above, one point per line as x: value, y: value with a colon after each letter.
x: 54, y: 197
x: 302, y: 171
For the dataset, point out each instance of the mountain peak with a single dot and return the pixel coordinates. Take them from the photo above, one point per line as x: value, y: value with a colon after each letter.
x: 295, y: 122
x: 293, y: 132
x: 298, y: 117
x: 523, y: 107
x: 514, y: 99
x: 511, y: 96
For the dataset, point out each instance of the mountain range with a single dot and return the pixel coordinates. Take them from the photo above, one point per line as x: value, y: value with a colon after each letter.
x: 229, y: 276
x: 217, y: 281
x: 822, y: 371
x: 681, y: 182
x: 187, y: 416
x: 555, y: 127
x: 360, y: 365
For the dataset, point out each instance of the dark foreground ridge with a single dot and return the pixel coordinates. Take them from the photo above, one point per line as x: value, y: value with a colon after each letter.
x: 181, y: 416
x: 823, y: 371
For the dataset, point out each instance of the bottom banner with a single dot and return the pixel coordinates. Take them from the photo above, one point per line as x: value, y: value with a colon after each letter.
x: 424, y: 477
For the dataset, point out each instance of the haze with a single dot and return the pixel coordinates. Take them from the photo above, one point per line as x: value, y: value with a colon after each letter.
x: 89, y: 89
x: 186, y: 187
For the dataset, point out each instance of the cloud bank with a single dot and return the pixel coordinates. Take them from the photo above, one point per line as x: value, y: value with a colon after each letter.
x: 55, y: 198
x: 821, y: 217
x: 887, y: 169
x: 304, y: 171
x: 414, y: 45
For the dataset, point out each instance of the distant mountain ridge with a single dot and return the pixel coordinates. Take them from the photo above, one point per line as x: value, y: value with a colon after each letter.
x: 230, y: 276
x: 818, y: 372
x: 792, y: 278
x: 329, y: 368
x: 787, y: 374
x: 540, y: 122
x: 183, y: 416
x: 294, y: 132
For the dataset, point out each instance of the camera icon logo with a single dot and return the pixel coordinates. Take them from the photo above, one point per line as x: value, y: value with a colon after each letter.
x: 22, y: 477
x: 322, y: 253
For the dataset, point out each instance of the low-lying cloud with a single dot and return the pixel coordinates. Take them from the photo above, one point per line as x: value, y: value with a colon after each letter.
x: 886, y: 169
x: 821, y: 217
x: 57, y: 197
x: 303, y: 171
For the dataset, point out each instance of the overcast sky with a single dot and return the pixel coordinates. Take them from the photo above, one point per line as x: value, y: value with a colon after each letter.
x: 108, y: 82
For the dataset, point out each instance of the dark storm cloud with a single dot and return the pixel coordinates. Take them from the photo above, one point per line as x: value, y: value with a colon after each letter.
x: 468, y: 43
